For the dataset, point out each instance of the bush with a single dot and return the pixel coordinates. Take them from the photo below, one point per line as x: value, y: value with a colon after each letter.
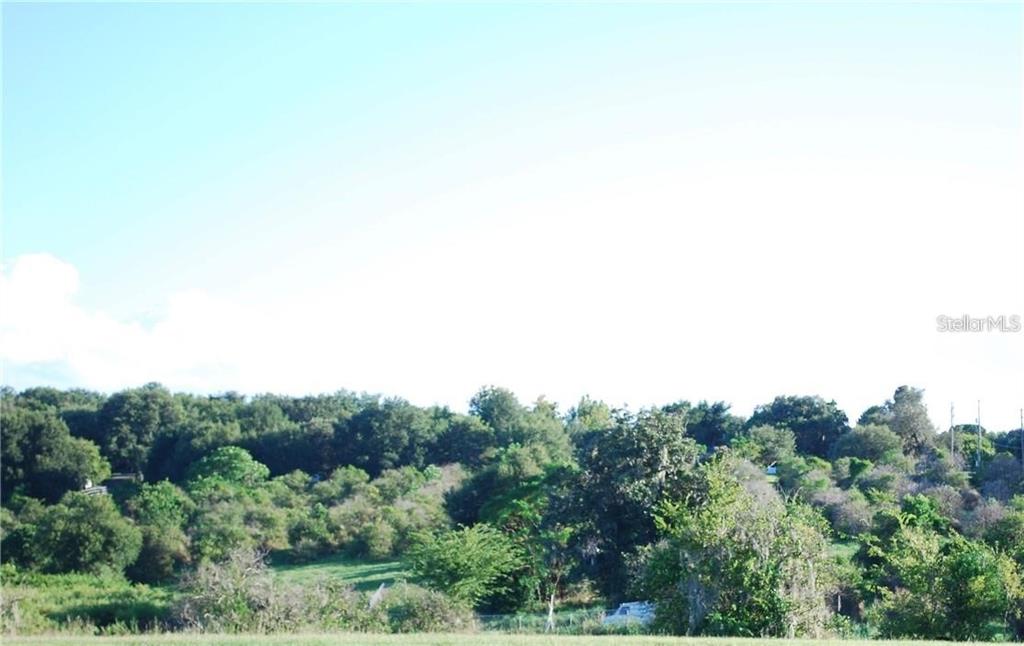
x: 239, y: 595
x: 234, y: 595
x: 375, y: 540
x: 86, y: 534
x: 43, y: 603
x: 469, y: 563
x: 872, y: 442
x: 164, y: 550
x: 412, y: 609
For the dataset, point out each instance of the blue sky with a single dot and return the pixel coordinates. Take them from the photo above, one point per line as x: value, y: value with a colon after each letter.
x: 639, y: 202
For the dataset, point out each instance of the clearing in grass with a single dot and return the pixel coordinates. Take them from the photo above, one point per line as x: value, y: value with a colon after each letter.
x: 363, y: 575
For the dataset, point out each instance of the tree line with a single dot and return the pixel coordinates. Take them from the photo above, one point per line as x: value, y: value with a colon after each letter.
x: 792, y: 522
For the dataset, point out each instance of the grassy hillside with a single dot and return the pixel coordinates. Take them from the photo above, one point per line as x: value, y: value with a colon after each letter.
x: 363, y: 575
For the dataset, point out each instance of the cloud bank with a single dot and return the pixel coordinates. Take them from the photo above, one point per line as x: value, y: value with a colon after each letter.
x: 441, y: 353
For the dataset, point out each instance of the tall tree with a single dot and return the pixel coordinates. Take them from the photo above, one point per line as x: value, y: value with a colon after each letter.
x: 624, y: 472
x: 711, y: 424
x: 39, y: 455
x: 907, y: 416
x: 130, y: 422
x: 386, y: 435
x: 737, y: 560
x: 816, y: 423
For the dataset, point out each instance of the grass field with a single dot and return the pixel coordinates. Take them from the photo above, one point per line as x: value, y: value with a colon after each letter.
x: 364, y: 576
x: 488, y: 639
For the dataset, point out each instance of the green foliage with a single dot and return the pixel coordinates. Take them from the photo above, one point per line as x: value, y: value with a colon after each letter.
x: 239, y: 595
x: 573, y: 496
x: 163, y: 553
x: 161, y: 505
x: 36, y: 603
x: 343, y: 482
x: 815, y: 422
x: 85, y: 534
x: 464, y: 439
x: 943, y: 588
x: 40, y: 457
x: 711, y: 424
x: 205, y: 426
x: 765, y: 445
x: 589, y: 415
x: 380, y: 518
x: 869, y: 442
x: 386, y: 435
x: 906, y: 415
x: 231, y: 465
x: 513, y: 423
x: 131, y: 420
x: 737, y: 560
x: 507, y: 470
x: 412, y: 609
x: 468, y: 563
x: 524, y: 514
x: 624, y: 472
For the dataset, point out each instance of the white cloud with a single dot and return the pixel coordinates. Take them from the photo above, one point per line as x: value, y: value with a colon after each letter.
x: 195, y: 345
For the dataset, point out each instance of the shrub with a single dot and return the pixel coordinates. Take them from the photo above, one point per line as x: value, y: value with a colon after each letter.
x: 469, y: 563
x: 35, y: 603
x: 412, y: 609
x: 375, y: 540
x: 86, y: 534
x: 872, y: 442
x: 164, y: 550
x: 236, y: 595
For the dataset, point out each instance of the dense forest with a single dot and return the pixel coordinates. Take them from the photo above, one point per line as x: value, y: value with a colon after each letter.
x: 794, y: 521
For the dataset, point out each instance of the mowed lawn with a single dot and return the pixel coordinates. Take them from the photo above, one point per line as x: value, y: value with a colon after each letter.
x: 484, y: 639
x: 363, y: 575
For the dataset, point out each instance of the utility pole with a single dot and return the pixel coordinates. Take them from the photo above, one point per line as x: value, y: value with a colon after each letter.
x: 1020, y: 432
x: 977, y: 453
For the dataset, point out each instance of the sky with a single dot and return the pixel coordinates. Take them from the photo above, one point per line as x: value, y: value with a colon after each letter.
x: 643, y: 203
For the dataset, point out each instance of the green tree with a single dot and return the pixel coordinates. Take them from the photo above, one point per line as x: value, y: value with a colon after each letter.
x: 461, y: 438
x: 765, y: 445
x: 869, y: 442
x: 161, y: 504
x: 130, y: 422
x: 229, y: 464
x: 500, y: 410
x: 386, y: 435
x: 711, y: 424
x: 942, y: 587
x: 509, y: 469
x: 589, y: 415
x: 907, y: 416
x: 86, y: 534
x: 624, y: 472
x: 163, y: 552
x: 513, y: 423
x: 468, y: 564
x: 202, y: 429
x: 816, y: 423
x: 40, y: 457
x: 737, y: 560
